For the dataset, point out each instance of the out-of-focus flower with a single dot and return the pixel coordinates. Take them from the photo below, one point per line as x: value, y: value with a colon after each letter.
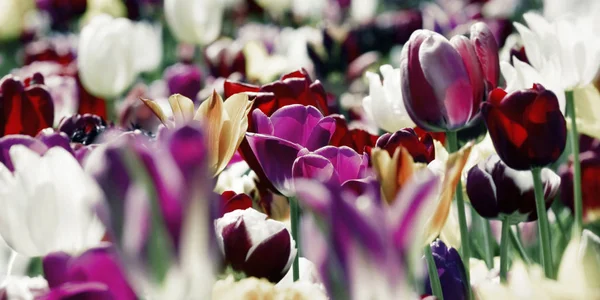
x: 13, y: 17
x: 312, y: 9
x: 194, y: 22
x: 159, y: 210
x: 25, y: 109
x: 261, y: 66
x: 384, y: 105
x: 421, y: 148
x: 292, y: 44
x: 184, y: 79
x: 550, y: 47
x: 16, y: 287
x: 225, y: 57
x: 449, y: 100
x: 262, y: 289
x: 38, y: 145
x: 290, y: 132
x: 255, y: 245
x: 451, y: 272
x: 112, y: 52
x: 114, y: 8
x: 62, y: 12
x: 83, y: 129
x: 233, y: 201
x: 498, y: 192
x: 226, y: 123
x: 369, y: 242
x: 363, y: 10
x: 276, y: 8
x: 358, y: 139
x: 590, y: 169
x: 527, y: 127
x: 333, y: 165
x: 587, y: 110
x: 55, y: 183
x: 237, y: 177
x: 96, y: 273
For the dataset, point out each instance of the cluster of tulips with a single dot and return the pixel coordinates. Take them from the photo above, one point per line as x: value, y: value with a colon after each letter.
x: 299, y: 149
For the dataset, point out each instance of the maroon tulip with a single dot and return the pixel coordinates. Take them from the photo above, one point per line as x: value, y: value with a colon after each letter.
x: 359, y: 140
x: 184, y: 79
x: 421, y: 149
x: 233, y: 201
x: 255, y: 245
x: 83, y: 129
x: 527, y: 127
x: 24, y: 109
x: 444, y: 82
x: 225, y: 57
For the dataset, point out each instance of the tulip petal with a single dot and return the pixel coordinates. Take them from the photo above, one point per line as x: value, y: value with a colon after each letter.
x: 465, y: 48
x: 55, y: 268
x: 316, y: 167
x: 346, y: 162
x: 236, y: 243
x: 487, y: 52
x: 212, y: 114
x: 16, y: 139
x: 270, y: 259
x: 157, y: 110
x: 392, y: 172
x: 295, y: 123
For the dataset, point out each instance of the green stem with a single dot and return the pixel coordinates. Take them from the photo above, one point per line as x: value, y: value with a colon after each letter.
x: 504, y: 249
x: 434, y: 279
x: 561, y: 227
x: 516, y: 242
x: 295, y: 222
x: 577, y: 198
x: 543, y: 226
x: 488, y: 246
x: 460, y: 204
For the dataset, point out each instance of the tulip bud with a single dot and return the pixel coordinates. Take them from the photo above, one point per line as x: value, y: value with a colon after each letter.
x: 259, y: 247
x: 527, y: 127
x: 496, y: 191
x: 443, y: 82
x: 420, y: 148
x: 451, y: 271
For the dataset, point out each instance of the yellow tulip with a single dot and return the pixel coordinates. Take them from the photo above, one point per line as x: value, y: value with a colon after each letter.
x: 225, y: 123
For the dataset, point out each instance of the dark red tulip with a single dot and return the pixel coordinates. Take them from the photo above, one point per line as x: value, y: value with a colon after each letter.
x: 225, y: 57
x: 527, y: 127
x: 233, y: 201
x: 496, y: 191
x: 421, y: 149
x: 590, y: 179
x: 90, y: 104
x: 359, y: 140
x: 24, y: 109
x: 444, y: 82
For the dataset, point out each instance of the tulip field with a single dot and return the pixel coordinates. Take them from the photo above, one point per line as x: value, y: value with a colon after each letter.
x: 299, y: 149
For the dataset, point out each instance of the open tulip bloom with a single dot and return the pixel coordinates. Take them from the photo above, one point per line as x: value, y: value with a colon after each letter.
x: 299, y: 149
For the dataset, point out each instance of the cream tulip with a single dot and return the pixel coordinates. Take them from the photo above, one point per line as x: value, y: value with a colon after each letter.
x: 48, y: 203
x: 194, y: 21
x: 13, y: 17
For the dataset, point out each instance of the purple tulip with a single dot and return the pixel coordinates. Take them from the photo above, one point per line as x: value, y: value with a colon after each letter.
x: 451, y: 271
x: 359, y: 245
x: 330, y: 164
x: 184, y: 79
x: 290, y: 132
x: 44, y: 141
x: 95, y: 274
x: 496, y: 191
x: 443, y: 82
x: 255, y: 245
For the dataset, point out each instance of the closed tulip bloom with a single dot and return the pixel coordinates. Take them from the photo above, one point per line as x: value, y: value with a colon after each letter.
x: 384, y: 104
x: 194, y: 22
x: 526, y: 126
x: 451, y: 271
x: 421, y: 148
x: 48, y: 203
x: 444, y: 82
x: 496, y: 191
x: 258, y: 246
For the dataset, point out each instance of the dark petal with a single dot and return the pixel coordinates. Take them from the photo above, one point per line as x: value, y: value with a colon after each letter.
x: 466, y: 50
x: 357, y: 139
x: 184, y: 79
x: 590, y: 178
x: 486, y: 48
x: 514, y: 190
x: 481, y: 190
x: 43, y: 109
x: 321, y: 134
x: 236, y: 243
x: 232, y: 87
x: 233, y: 201
x: 24, y: 110
x: 188, y: 148
x: 451, y: 272
x: 421, y: 150
x: 90, y: 104
x: 84, y: 129
x: 55, y: 268
x: 269, y: 260
x: 17, y: 139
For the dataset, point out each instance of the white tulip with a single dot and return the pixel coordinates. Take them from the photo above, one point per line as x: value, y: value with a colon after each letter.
x: 47, y: 203
x: 12, y: 17
x: 363, y: 10
x: 148, y: 45
x: 194, y: 21
x: 385, y: 105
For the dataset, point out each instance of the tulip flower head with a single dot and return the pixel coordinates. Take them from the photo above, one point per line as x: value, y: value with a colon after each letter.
x: 451, y: 270
x: 194, y: 22
x: 258, y: 246
x: 497, y: 191
x: 444, y: 82
x: 225, y: 122
x: 526, y: 126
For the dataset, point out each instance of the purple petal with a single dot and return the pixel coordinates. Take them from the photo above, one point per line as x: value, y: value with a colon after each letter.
x: 55, y: 139
x: 236, y: 243
x: 347, y: 163
x: 487, y: 51
x: 262, y: 123
x: 55, y: 268
x: 276, y: 157
x: 321, y: 134
x: 17, y: 139
x: 313, y: 195
x: 188, y: 149
x: 316, y: 167
x: 81, y: 290
x: 446, y: 73
x: 481, y: 190
x: 295, y: 123
x: 467, y: 51
x: 269, y: 259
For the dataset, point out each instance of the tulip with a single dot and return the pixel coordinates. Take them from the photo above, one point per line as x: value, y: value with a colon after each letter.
x: 13, y: 18
x: 448, y: 100
x: 498, y: 192
x: 384, y: 105
x: 229, y: 288
x: 451, y: 272
x: 96, y: 273
x: 358, y: 139
x: 61, y: 12
x: 40, y: 144
x: 290, y: 132
x: 421, y: 148
x: 23, y: 287
x: 527, y: 128
x: 590, y: 166
x: 83, y: 129
x: 233, y: 201
x: 56, y: 183
x: 334, y: 165
x: 26, y: 109
x: 226, y: 123
x: 114, y: 8
x: 184, y: 79
x: 225, y: 57
x: 194, y: 22
x: 255, y: 245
